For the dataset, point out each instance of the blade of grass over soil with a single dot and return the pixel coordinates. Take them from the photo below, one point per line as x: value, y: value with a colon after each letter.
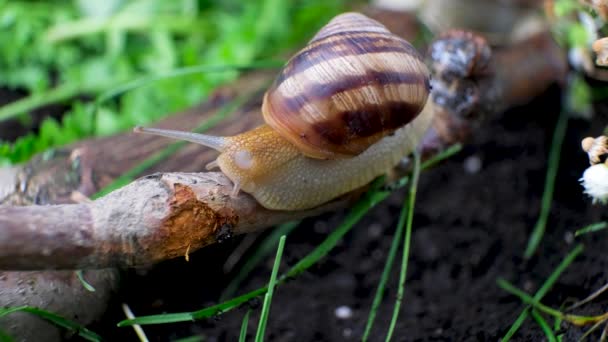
x: 552, y: 167
x: 535, y: 304
x: 542, y: 323
x: 259, y: 336
x: 195, y: 338
x: 84, y: 282
x: 557, y: 324
x: 441, y: 156
x: 594, y: 227
x: 375, y: 195
x: 407, y: 215
x: 543, y: 290
x: 171, y: 149
x: 55, y: 319
x: 243, y: 333
x: 383, y: 279
x: 264, y: 248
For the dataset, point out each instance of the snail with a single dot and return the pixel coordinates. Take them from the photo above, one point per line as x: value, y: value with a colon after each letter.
x: 343, y: 111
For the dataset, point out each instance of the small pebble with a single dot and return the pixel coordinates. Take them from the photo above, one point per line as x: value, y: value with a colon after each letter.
x: 569, y: 238
x: 472, y: 164
x: 375, y: 230
x: 343, y: 312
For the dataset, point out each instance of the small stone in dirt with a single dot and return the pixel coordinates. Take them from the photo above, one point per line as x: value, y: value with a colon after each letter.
x: 343, y: 312
x: 569, y: 238
x: 472, y: 164
x: 375, y: 230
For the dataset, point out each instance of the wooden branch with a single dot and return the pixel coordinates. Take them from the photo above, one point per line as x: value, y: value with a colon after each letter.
x: 154, y: 218
x: 171, y: 214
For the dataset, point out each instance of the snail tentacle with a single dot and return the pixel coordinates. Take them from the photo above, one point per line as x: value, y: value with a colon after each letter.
x: 212, y: 165
x: 216, y: 143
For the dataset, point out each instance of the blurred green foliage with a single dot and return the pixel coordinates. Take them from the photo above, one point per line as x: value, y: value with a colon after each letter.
x: 72, y: 51
x: 575, y: 27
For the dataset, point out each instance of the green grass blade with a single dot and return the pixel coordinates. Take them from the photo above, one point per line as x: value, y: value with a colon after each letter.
x: 515, y: 326
x: 527, y: 299
x: 194, y: 315
x: 259, y: 336
x: 397, y: 241
x: 161, y: 155
x: 55, y: 319
x: 594, y: 227
x: 383, y: 279
x: 83, y: 281
x: 406, y: 217
x: 553, y: 165
x: 195, y: 338
x: 544, y: 289
x: 542, y: 323
x: 557, y: 323
x: 256, y: 258
x: 536, y: 304
x: 243, y: 334
x: 441, y: 156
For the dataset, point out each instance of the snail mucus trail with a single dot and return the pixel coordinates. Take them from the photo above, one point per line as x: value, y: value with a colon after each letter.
x: 343, y: 111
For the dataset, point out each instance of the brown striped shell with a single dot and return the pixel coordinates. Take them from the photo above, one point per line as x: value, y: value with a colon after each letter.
x: 354, y: 83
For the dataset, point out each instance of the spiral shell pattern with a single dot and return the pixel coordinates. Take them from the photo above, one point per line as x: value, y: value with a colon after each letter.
x: 354, y: 83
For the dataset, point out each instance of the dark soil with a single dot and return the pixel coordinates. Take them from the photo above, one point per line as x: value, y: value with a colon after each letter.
x: 470, y: 228
x: 12, y: 129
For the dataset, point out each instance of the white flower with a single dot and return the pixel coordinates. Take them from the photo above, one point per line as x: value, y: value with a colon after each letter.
x: 595, y: 182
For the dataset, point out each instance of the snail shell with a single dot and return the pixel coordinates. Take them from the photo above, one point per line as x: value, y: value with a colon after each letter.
x: 353, y: 84
x: 596, y: 149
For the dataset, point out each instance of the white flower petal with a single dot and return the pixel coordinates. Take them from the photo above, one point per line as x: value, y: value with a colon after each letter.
x: 595, y: 182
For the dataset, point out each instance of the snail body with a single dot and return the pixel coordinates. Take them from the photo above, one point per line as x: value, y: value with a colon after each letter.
x: 343, y: 111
